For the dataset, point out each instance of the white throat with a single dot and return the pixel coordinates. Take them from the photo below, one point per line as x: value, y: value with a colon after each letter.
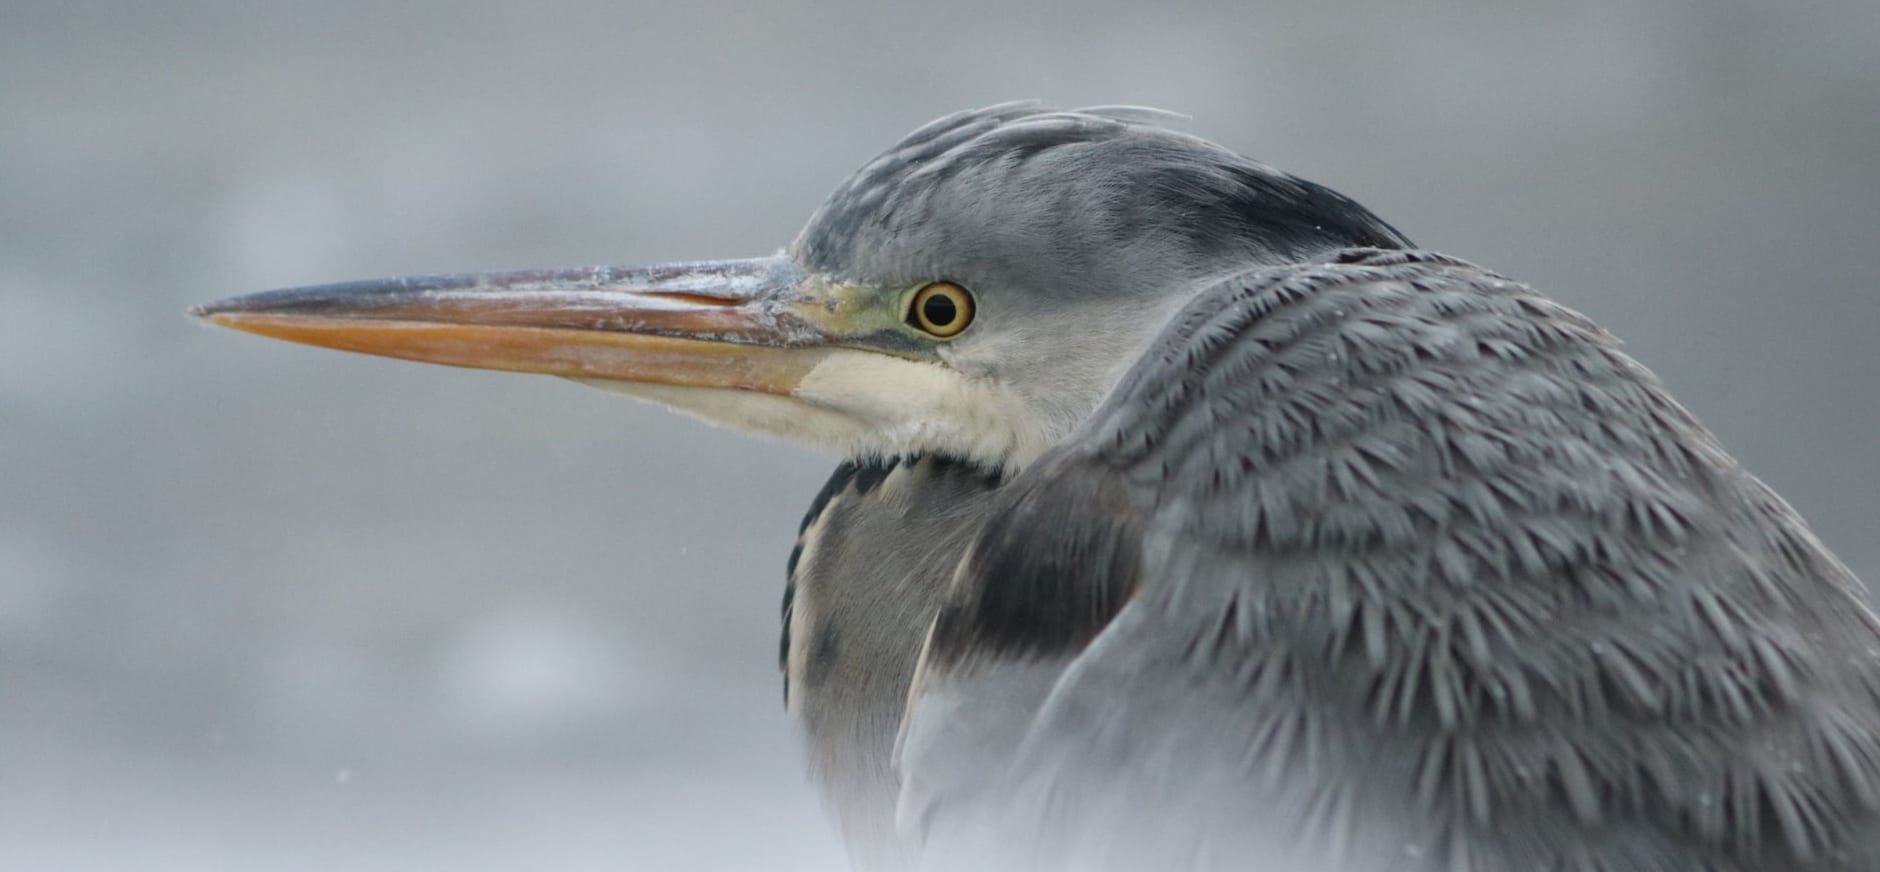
x: 861, y: 404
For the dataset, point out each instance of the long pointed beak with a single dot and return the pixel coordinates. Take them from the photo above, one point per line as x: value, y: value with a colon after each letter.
x: 744, y: 324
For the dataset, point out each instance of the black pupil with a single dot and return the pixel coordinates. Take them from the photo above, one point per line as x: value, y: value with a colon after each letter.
x: 939, y: 310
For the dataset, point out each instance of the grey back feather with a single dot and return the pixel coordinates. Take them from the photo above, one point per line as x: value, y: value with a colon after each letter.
x: 1423, y: 574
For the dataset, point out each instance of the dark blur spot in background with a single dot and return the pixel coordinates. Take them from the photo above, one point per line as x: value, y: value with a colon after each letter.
x: 265, y: 607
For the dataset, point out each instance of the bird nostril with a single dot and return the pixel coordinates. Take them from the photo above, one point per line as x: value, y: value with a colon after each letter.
x: 694, y: 299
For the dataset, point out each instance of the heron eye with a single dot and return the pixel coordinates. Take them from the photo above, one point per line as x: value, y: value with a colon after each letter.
x: 941, y: 309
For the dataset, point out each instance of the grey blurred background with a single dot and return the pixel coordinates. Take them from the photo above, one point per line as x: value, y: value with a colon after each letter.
x: 271, y: 608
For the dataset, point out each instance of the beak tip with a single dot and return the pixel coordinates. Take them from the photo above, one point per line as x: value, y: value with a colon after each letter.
x: 222, y: 313
x: 229, y: 309
x: 208, y: 311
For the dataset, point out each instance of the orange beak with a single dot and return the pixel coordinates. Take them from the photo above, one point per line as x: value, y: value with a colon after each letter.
x: 739, y: 324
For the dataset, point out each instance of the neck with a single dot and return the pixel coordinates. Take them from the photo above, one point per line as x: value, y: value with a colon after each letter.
x: 872, y: 563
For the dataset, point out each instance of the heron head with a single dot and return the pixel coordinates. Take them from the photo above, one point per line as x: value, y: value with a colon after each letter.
x: 974, y: 291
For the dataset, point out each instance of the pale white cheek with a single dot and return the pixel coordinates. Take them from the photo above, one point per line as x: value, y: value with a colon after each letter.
x: 914, y: 408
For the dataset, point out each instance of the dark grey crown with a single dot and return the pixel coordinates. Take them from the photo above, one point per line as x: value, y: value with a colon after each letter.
x: 1093, y: 190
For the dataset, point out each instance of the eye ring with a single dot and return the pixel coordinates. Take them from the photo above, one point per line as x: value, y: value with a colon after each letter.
x: 941, y: 309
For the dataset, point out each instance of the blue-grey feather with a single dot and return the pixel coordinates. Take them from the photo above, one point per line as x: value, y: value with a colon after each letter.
x: 1446, y: 561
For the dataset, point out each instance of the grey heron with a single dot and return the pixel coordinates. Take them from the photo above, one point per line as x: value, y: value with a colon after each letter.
x: 1190, y: 518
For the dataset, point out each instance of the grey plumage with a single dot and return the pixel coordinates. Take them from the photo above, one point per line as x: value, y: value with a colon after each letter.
x: 1071, y: 206
x: 1444, y: 581
x: 851, y: 628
